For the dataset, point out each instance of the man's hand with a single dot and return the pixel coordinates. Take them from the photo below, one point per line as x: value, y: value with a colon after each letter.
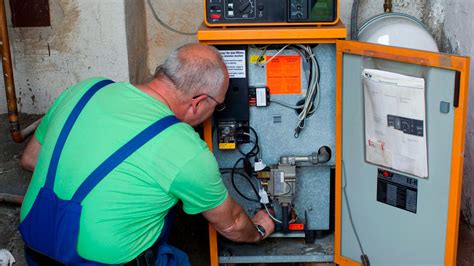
x: 262, y: 218
x: 231, y: 221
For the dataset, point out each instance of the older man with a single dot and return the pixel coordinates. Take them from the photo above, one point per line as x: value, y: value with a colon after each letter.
x: 111, y: 159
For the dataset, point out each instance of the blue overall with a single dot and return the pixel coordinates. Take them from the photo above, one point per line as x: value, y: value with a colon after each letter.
x: 51, y: 227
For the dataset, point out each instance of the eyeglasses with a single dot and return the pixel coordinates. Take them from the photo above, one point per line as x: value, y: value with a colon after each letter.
x: 219, y: 106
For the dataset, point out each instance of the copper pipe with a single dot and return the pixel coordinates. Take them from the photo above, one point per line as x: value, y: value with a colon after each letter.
x: 387, y: 6
x: 16, y: 134
x: 9, y: 198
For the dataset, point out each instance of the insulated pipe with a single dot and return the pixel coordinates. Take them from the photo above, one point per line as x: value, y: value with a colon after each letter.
x: 16, y: 134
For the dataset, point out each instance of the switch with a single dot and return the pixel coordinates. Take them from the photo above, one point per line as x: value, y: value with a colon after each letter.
x: 216, y: 16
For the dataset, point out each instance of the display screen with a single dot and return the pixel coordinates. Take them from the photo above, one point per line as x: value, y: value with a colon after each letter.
x: 322, y: 10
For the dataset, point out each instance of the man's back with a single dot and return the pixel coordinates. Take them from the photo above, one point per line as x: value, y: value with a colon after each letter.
x: 124, y: 214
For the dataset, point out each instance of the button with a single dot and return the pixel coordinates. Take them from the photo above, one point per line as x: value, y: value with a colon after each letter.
x: 230, y: 13
x: 216, y: 16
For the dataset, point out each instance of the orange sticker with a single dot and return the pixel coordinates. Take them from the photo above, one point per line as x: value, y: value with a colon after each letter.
x: 284, y: 74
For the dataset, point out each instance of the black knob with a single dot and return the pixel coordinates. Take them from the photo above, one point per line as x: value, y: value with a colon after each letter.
x: 245, y: 8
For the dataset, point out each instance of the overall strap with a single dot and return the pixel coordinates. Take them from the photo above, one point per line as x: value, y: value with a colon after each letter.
x: 121, y: 154
x: 53, y: 165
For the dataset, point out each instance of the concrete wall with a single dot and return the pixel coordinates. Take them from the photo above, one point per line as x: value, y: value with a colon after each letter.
x: 459, y: 33
x: 185, y: 16
x: 122, y: 40
x: 86, y: 38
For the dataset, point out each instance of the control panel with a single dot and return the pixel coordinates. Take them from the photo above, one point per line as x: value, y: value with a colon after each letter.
x: 269, y: 12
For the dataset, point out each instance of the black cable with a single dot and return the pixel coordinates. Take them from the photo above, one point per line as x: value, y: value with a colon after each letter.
x: 251, y: 153
x: 364, y: 257
x: 162, y: 23
x: 255, y: 149
x: 232, y: 178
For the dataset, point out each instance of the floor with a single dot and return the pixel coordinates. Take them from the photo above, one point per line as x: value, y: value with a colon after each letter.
x: 14, y: 180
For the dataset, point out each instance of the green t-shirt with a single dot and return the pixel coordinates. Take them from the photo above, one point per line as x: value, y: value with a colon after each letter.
x: 124, y: 214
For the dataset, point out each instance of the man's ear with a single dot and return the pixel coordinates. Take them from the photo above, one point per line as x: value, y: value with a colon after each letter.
x: 196, y: 101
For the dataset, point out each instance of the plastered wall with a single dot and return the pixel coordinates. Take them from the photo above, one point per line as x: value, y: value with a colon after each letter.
x: 86, y: 38
x: 122, y: 39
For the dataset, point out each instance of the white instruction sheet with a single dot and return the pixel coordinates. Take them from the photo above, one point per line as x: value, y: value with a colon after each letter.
x: 235, y: 62
x: 395, y: 121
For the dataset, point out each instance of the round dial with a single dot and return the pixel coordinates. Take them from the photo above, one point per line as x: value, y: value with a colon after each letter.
x: 245, y: 6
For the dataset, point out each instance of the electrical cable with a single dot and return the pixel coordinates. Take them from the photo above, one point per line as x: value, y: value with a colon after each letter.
x: 349, y: 211
x: 312, y: 99
x: 260, y: 57
x: 168, y: 27
x: 252, y: 153
x: 234, y: 185
x: 271, y: 216
x: 255, y: 149
x: 273, y: 57
x: 287, y: 105
x: 312, y: 92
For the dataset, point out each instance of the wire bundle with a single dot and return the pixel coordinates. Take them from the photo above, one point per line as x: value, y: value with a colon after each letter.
x: 247, y: 156
x: 309, y: 106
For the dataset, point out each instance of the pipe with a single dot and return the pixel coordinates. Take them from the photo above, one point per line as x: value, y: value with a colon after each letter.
x: 323, y: 155
x: 354, y: 19
x: 10, y: 198
x: 387, y: 6
x: 17, y: 135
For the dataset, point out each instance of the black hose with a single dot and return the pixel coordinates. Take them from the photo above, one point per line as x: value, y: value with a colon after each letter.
x: 232, y: 178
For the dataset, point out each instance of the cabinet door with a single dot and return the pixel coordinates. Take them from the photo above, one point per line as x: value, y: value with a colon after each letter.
x: 382, y: 210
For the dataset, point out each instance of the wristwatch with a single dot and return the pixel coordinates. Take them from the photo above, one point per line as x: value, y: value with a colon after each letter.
x: 261, y: 231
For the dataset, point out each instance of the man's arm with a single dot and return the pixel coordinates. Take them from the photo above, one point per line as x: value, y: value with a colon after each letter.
x: 230, y: 220
x: 30, y: 154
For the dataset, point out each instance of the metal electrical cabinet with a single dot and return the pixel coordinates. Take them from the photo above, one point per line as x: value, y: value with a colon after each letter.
x: 391, y: 216
x: 388, y: 232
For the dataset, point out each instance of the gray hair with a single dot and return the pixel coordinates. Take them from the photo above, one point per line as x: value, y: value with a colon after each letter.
x: 194, y: 74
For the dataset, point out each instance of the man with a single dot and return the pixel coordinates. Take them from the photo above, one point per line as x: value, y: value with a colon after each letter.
x: 124, y: 214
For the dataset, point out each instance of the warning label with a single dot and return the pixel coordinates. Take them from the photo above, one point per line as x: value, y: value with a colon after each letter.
x: 235, y: 62
x: 284, y: 74
x: 397, y: 190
